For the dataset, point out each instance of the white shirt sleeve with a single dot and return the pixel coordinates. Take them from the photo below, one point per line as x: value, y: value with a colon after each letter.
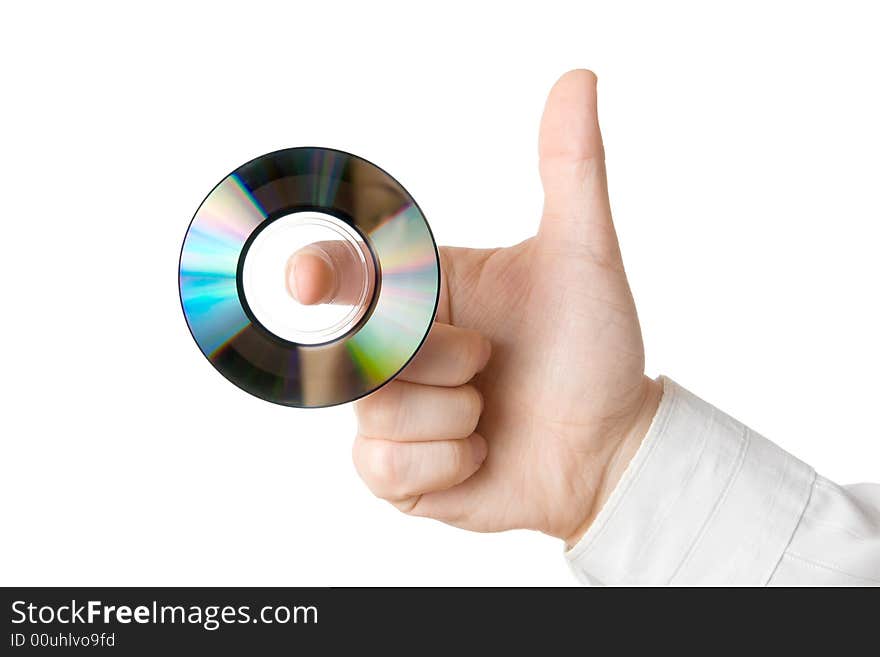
x: 707, y: 501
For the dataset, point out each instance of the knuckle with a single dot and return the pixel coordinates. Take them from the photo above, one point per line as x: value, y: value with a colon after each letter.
x: 470, y: 356
x: 383, y: 464
x: 457, y: 460
x: 379, y: 415
x: 472, y: 406
x: 407, y: 505
x: 360, y: 454
x: 383, y: 468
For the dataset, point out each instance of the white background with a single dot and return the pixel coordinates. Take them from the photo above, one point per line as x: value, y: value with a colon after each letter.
x: 742, y: 153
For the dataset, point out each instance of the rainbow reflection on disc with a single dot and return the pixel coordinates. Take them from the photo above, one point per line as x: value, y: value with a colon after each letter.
x: 369, y: 342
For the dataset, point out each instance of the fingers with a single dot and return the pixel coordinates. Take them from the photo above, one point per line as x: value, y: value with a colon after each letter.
x: 400, y: 472
x: 409, y: 412
x: 325, y: 272
x: 450, y: 356
x: 310, y: 276
x: 414, y: 438
x: 572, y: 158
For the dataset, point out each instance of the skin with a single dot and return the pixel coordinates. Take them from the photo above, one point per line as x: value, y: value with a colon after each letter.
x: 529, y: 398
x: 316, y: 274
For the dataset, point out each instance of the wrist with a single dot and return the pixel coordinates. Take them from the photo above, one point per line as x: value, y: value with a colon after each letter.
x: 622, y: 454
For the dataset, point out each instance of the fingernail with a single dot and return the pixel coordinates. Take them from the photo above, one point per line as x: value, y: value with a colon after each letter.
x: 480, y: 449
x: 482, y: 400
x: 487, y: 353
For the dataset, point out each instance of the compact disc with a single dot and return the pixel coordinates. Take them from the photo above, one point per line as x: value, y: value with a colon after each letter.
x: 235, y: 277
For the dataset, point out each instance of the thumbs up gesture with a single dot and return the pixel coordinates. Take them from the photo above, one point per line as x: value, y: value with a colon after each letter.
x: 528, y: 399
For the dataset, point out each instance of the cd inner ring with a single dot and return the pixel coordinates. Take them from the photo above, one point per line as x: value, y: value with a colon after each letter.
x: 263, y: 277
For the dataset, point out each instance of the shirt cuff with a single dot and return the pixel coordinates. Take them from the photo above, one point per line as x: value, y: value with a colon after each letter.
x: 705, y: 501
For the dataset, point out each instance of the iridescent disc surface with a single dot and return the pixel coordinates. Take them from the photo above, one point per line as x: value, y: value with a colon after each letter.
x: 308, y: 189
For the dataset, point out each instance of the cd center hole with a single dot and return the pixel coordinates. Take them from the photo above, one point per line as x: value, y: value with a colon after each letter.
x: 308, y: 277
x: 326, y: 272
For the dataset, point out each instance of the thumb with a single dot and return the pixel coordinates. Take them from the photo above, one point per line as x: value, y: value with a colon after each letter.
x: 572, y: 163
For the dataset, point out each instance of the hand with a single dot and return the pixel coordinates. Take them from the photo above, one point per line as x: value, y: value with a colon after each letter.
x: 537, y: 435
